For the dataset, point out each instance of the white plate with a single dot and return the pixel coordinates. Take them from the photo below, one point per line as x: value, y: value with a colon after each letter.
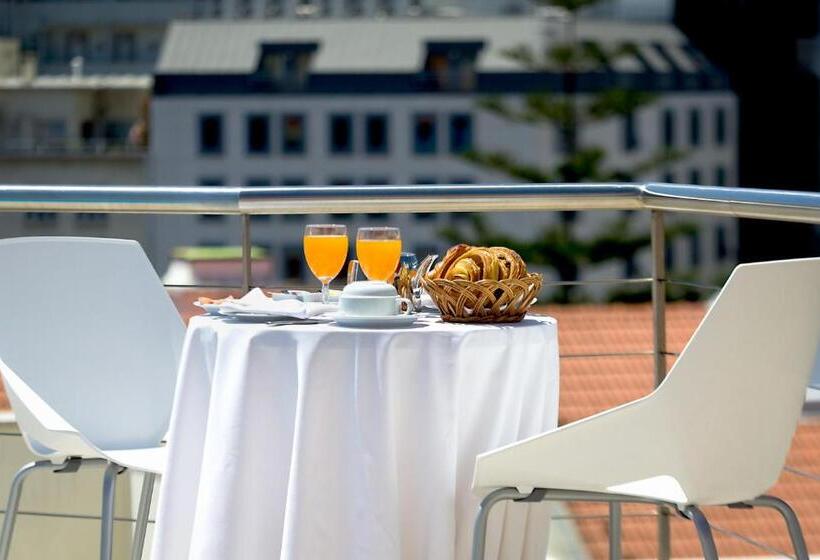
x: 248, y: 316
x: 383, y: 322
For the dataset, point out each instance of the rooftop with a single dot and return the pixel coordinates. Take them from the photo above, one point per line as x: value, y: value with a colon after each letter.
x: 398, y: 45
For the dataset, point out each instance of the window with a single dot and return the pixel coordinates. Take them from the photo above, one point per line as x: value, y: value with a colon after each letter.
x: 76, y: 44
x: 720, y: 126
x: 668, y: 177
x: 244, y: 9
x: 461, y: 133
x: 721, y: 248
x: 258, y: 134
x: 669, y: 256
x: 668, y: 128
x: 694, y: 249
x: 450, y: 65
x: 630, y: 267
x: 424, y: 134
x: 123, y: 47
x: 285, y: 66
x: 720, y: 176
x: 694, y: 177
x: 211, y: 182
x: 273, y: 8
x: 341, y: 134
x: 293, y: 134
x: 630, y: 132
x: 210, y: 134
x: 41, y: 218
x: 384, y: 7
x: 91, y: 218
x: 353, y: 8
x: 376, y: 134
x: 694, y: 127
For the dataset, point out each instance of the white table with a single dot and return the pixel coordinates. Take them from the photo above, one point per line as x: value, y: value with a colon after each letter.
x: 322, y: 442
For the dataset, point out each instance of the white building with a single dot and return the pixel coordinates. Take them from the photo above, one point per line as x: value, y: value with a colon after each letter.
x: 338, y: 102
x: 73, y: 130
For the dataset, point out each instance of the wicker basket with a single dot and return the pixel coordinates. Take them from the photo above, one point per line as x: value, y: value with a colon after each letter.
x: 484, y: 301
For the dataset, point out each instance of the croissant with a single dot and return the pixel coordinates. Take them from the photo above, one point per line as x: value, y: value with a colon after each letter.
x: 463, y: 262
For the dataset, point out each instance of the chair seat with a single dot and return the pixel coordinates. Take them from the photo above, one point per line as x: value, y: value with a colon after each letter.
x: 149, y: 459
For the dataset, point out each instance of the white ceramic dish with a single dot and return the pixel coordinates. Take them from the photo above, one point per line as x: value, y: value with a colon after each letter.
x: 374, y: 322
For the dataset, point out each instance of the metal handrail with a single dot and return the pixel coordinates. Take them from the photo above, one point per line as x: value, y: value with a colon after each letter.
x: 746, y: 203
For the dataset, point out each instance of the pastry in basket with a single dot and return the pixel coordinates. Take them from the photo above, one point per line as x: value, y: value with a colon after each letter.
x: 482, y: 285
x: 464, y: 262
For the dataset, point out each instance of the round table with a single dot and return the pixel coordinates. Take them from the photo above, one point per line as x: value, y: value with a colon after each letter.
x: 318, y: 441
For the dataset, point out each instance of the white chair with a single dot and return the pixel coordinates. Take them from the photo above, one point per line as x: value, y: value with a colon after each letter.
x: 89, y: 348
x: 715, y: 432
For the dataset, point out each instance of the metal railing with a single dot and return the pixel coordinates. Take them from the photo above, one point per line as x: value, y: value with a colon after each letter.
x: 656, y: 198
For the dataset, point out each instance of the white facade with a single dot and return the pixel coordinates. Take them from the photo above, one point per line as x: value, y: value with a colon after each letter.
x: 72, y: 131
x: 175, y: 160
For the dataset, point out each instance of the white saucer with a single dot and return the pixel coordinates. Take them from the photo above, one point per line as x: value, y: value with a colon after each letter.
x: 371, y: 322
x: 256, y: 317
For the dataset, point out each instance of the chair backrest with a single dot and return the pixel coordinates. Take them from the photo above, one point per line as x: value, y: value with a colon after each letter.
x: 734, y: 396
x: 88, y: 326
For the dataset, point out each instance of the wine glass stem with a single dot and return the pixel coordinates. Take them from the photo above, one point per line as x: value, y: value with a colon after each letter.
x: 325, y: 292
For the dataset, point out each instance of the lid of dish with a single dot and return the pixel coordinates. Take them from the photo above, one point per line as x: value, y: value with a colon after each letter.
x: 369, y: 288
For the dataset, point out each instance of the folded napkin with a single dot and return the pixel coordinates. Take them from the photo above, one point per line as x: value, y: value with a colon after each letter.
x: 256, y: 301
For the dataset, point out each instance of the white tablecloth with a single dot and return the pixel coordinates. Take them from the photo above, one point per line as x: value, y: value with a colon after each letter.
x: 320, y: 442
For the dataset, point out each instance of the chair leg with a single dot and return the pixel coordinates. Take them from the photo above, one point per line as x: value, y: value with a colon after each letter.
x: 480, y: 527
x: 614, y: 530
x: 14, y: 503
x: 707, y: 543
x: 795, y: 532
x: 141, y: 524
x: 107, y: 513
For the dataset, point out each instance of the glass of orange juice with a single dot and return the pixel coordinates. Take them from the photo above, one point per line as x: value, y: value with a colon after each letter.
x: 378, y: 250
x: 325, y: 251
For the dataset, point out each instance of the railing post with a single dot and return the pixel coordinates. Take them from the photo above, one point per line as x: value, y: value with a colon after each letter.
x: 246, y: 252
x: 658, y: 236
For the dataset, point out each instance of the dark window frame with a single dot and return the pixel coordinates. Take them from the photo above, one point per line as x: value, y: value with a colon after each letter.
x: 294, y: 147
x: 465, y: 145
x: 345, y: 147
x: 264, y: 146
x: 372, y: 147
x: 206, y: 146
x: 429, y: 146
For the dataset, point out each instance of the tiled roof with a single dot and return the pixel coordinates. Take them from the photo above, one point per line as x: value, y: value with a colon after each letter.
x: 590, y: 385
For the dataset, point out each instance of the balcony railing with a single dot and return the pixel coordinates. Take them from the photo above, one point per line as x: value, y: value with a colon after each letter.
x: 69, y: 147
x: 658, y: 199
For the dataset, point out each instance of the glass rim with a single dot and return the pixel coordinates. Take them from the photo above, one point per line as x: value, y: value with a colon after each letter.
x: 377, y: 228
x: 326, y: 226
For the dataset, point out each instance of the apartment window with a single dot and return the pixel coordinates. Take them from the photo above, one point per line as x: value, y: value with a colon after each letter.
x: 630, y: 132
x: 76, y: 44
x: 669, y: 256
x: 694, y: 249
x: 720, y: 126
x: 668, y: 177
x: 123, y: 47
x: 668, y: 127
x: 424, y: 134
x: 461, y: 133
x: 293, y: 134
x: 273, y: 8
x: 694, y: 177
x: 41, y: 218
x: 720, y: 176
x: 211, y: 182
x: 384, y: 7
x: 450, y: 66
x: 341, y: 134
x: 210, y: 134
x: 244, y: 9
x: 354, y: 8
x: 376, y: 134
x: 91, y: 218
x: 257, y: 134
x: 285, y: 66
x: 694, y: 127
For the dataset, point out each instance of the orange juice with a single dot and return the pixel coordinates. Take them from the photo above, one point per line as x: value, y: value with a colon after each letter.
x: 379, y: 257
x: 325, y: 255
